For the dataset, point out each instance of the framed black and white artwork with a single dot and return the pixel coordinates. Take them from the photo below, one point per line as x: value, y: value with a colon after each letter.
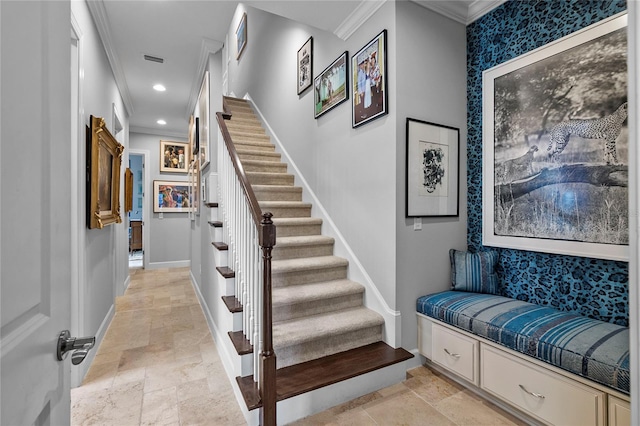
x: 555, y: 143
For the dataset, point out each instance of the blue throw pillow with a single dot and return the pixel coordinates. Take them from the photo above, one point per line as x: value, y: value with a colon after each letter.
x: 474, y: 272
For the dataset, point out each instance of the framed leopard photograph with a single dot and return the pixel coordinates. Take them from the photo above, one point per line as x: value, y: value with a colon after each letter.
x: 555, y: 146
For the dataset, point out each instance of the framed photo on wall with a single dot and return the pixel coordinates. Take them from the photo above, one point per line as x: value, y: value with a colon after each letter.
x: 171, y: 197
x: 551, y: 183
x: 331, y: 86
x: 241, y: 36
x: 432, y: 172
x: 203, y: 123
x: 174, y: 157
x: 305, y: 65
x: 369, y: 81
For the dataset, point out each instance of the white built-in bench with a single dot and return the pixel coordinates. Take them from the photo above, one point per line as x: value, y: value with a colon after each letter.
x: 556, y: 367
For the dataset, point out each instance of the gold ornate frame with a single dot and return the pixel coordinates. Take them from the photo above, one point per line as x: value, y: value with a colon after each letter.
x: 104, y: 157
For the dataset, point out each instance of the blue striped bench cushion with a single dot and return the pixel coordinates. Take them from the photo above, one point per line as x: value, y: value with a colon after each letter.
x: 587, y: 347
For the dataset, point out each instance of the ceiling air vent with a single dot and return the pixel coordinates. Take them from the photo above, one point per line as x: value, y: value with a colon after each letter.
x: 153, y: 59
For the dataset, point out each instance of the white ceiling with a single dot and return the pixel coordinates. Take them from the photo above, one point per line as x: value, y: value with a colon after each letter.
x: 183, y: 33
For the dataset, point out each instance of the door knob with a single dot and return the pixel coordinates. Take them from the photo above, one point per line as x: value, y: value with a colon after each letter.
x: 80, y: 346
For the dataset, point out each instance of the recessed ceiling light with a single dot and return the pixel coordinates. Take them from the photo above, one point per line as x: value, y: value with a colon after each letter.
x: 161, y: 122
x: 159, y: 88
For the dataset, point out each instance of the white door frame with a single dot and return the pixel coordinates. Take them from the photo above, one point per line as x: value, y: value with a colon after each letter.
x: 78, y: 198
x: 146, y: 213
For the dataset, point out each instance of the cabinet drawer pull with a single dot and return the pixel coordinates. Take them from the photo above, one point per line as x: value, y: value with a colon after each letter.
x: 450, y: 354
x: 537, y: 395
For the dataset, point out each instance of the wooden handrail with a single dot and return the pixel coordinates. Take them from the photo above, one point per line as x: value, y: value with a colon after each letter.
x: 254, y: 206
x: 267, y: 240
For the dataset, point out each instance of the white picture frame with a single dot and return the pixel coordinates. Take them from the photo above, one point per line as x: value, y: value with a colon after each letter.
x: 498, y: 170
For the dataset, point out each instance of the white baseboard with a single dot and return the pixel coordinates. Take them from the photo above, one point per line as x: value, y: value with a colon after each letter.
x: 174, y: 264
x: 83, y: 368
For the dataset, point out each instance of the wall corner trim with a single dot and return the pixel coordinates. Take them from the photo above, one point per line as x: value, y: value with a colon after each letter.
x: 358, y: 17
x: 208, y: 47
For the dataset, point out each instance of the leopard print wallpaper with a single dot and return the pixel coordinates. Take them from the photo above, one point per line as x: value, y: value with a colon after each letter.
x: 592, y: 287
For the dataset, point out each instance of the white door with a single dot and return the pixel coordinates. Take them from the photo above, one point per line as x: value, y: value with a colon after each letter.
x: 35, y: 211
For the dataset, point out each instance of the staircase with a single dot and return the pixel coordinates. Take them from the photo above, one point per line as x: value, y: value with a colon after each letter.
x: 319, y: 320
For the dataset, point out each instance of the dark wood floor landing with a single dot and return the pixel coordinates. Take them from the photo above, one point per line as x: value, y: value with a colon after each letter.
x: 301, y: 378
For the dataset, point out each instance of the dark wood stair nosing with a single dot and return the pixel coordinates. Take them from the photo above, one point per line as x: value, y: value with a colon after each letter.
x: 211, y: 204
x: 215, y: 223
x: 232, y: 304
x: 315, y: 374
x: 226, y: 272
x: 220, y: 245
x: 240, y: 343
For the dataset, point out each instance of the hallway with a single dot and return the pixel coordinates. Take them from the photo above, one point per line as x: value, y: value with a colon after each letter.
x: 158, y: 365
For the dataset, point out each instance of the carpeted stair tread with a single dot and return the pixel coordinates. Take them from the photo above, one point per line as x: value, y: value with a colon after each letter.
x: 246, y: 153
x: 279, y: 204
x: 254, y: 145
x: 248, y: 135
x: 296, y: 247
x: 277, y: 192
x: 262, y: 178
x: 264, y: 166
x: 316, y: 327
x: 305, y: 240
x: 293, y: 221
x: 315, y: 292
x: 292, y: 226
x: 241, y: 115
x: 245, y: 121
x: 307, y: 264
x: 286, y: 208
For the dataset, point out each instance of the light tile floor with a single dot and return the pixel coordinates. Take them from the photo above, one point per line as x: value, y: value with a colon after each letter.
x: 158, y: 365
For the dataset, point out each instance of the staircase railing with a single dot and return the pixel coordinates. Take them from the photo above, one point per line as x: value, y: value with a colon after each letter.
x: 249, y: 232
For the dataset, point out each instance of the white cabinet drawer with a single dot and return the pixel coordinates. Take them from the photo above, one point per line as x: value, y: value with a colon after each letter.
x: 619, y: 412
x: 455, y: 352
x: 540, y: 392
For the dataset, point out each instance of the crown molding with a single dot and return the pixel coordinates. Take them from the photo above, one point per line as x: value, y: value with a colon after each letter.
x: 208, y: 47
x: 359, y: 16
x: 99, y: 15
x: 460, y: 11
x: 479, y: 8
x: 158, y: 132
x: 453, y: 10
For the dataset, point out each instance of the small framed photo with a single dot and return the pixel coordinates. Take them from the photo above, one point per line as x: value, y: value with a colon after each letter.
x: 241, y: 35
x: 432, y: 173
x: 331, y: 86
x: 305, y: 65
x: 203, y: 122
x: 171, y: 197
x: 369, y: 81
x: 174, y: 157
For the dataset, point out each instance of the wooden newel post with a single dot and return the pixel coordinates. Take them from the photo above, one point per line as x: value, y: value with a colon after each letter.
x: 267, y: 382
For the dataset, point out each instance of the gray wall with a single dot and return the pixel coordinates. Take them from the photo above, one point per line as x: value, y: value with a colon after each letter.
x: 102, y: 252
x: 351, y: 171
x: 102, y: 246
x: 431, y: 87
x: 169, y: 237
